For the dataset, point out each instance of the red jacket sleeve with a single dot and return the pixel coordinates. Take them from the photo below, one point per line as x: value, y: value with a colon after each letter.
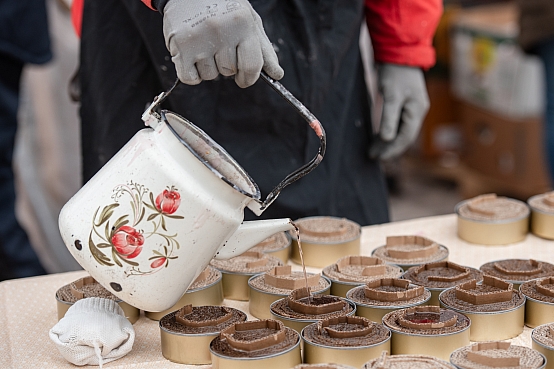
x: 148, y: 3
x: 402, y: 30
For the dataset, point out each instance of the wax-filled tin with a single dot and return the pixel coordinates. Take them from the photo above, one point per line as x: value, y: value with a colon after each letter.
x: 377, y: 298
x: 386, y: 361
x: 278, y: 283
x: 186, y: 333
x: 301, y: 308
x: 256, y: 344
x: 539, y: 301
x: 542, y: 338
x: 238, y: 270
x: 206, y: 290
x: 427, y: 330
x: 518, y: 271
x: 492, y: 220
x: 409, y: 251
x: 542, y: 215
x: 348, y: 340
x: 496, y: 310
x: 439, y: 276
x: 496, y: 354
x: 325, y: 239
x: 278, y: 246
x: 352, y: 271
x: 85, y: 287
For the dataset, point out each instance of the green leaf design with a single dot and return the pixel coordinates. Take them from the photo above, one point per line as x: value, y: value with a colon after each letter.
x: 150, y: 206
x: 141, y: 215
x: 107, y: 213
x: 98, y: 255
x: 108, y: 231
x: 163, y: 223
x: 157, y: 253
x: 175, y: 216
x: 103, y: 245
x: 152, y: 200
x: 152, y: 216
x: 120, y: 222
x: 115, y: 259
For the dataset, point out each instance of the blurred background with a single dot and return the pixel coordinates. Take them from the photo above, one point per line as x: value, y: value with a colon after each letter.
x: 483, y: 133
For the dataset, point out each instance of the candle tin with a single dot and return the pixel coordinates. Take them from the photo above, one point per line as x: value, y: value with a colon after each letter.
x: 492, y: 220
x: 378, y: 298
x: 427, y: 330
x: 186, y: 333
x: 348, y: 340
x: 497, y: 354
x: 409, y: 251
x: 542, y: 215
x: 325, y: 239
x: 542, y: 338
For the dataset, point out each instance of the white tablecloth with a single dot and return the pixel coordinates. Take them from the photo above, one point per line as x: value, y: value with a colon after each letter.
x: 28, y: 306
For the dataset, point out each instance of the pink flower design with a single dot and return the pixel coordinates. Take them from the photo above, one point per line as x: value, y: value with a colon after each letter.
x: 128, y: 242
x: 158, y: 263
x: 168, y: 201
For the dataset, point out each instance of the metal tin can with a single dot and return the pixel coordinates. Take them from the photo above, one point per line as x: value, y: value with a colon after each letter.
x: 321, y: 253
x: 376, y: 313
x: 299, y: 324
x: 544, y: 348
x: 542, y: 221
x: 314, y: 353
x: 493, y: 326
x: 260, y: 300
x: 492, y: 232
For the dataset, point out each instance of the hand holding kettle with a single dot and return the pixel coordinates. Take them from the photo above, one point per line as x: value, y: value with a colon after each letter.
x: 208, y: 38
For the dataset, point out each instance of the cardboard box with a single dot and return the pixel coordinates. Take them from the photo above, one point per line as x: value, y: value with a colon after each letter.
x: 488, y: 68
x: 509, y: 152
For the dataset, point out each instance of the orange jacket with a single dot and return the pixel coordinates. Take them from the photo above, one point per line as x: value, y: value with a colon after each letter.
x: 401, y: 30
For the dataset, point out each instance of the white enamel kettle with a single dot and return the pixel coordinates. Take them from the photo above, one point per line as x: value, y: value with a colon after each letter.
x: 169, y: 201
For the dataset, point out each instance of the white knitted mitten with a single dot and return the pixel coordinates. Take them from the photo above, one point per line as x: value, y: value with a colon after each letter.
x: 92, y: 332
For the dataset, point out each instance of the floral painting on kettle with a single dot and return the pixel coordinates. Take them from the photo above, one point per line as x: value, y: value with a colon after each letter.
x: 118, y: 239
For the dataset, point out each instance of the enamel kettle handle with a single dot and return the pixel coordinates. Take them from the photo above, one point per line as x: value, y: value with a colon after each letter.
x: 300, y: 109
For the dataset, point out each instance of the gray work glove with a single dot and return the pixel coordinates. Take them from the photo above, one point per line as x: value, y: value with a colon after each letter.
x: 211, y: 37
x: 405, y: 104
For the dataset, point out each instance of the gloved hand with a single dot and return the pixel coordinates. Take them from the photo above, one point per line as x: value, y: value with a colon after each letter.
x: 209, y: 37
x: 405, y: 104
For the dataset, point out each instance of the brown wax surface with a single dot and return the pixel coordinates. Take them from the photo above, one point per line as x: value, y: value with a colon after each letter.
x: 543, y: 335
x: 212, y: 277
x: 504, y: 208
x: 409, y: 362
x: 358, y: 295
x: 273, y: 243
x: 281, y: 308
x: 536, y: 202
x: 391, y: 320
x: 517, y: 264
x: 324, y: 224
x: 528, y: 358
x: 259, y: 283
x: 449, y: 298
x: 381, y: 252
x: 238, y: 264
x: 422, y: 278
x: 354, y: 273
x: 89, y: 290
x: 201, y: 313
x: 529, y: 289
x: 378, y: 334
x: 222, y: 348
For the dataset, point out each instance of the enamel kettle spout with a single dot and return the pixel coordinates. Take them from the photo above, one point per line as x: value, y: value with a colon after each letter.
x: 250, y: 233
